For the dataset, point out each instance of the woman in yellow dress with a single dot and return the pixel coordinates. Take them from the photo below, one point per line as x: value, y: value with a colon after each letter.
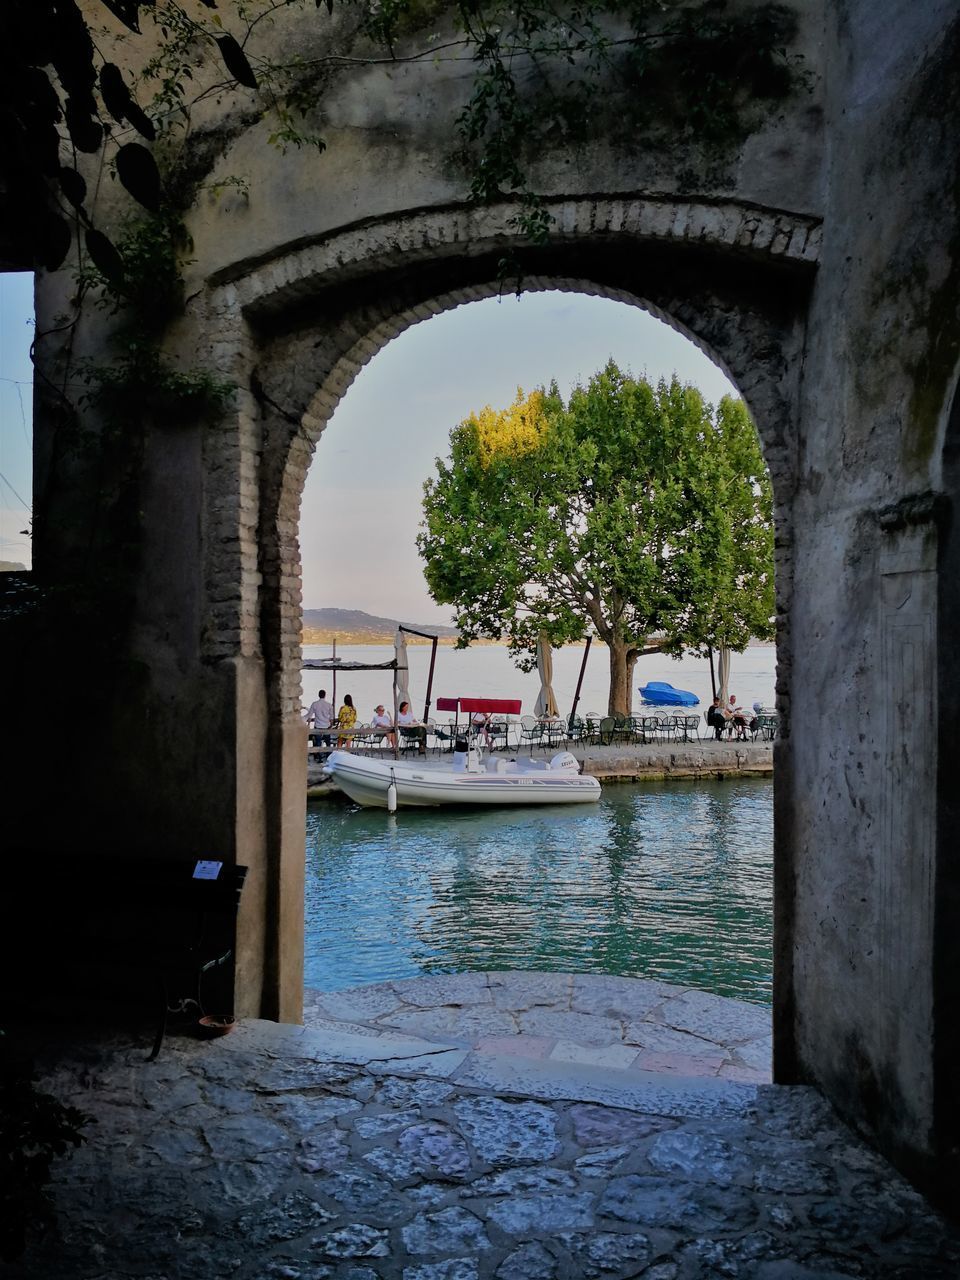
x: 346, y: 719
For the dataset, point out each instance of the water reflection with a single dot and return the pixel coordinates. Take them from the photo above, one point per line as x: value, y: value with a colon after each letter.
x: 671, y: 881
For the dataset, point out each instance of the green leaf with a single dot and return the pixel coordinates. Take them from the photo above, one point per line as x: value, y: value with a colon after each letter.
x: 235, y: 61
x: 104, y: 257
x: 137, y: 170
x: 51, y: 238
x: 73, y: 186
x: 120, y: 102
x: 86, y: 132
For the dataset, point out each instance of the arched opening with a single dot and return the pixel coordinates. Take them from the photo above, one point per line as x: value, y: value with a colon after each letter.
x: 366, y: 343
x: 737, y: 284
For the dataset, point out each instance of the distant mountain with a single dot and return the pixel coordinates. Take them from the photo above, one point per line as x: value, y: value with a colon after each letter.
x: 353, y: 626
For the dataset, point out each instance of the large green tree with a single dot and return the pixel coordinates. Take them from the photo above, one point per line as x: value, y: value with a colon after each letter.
x: 633, y: 511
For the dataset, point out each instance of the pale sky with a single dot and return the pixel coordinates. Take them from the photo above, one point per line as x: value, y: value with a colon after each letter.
x: 361, y: 503
x: 16, y: 415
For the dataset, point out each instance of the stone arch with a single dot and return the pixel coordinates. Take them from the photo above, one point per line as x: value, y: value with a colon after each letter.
x: 294, y: 331
x: 732, y: 279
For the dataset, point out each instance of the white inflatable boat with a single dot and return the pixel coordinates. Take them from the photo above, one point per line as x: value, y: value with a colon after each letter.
x: 390, y: 784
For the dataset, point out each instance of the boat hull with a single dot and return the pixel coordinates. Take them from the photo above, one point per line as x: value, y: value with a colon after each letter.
x: 366, y: 782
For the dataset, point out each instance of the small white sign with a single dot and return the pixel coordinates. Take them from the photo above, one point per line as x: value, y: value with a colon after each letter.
x: 207, y: 870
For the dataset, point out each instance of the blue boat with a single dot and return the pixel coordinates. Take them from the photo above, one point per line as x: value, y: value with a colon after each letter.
x: 656, y: 694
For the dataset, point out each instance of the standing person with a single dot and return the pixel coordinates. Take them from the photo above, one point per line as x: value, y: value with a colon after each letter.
x: 320, y: 716
x: 380, y: 720
x: 346, y: 719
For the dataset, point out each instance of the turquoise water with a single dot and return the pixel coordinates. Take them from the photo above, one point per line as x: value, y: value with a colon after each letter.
x: 669, y: 880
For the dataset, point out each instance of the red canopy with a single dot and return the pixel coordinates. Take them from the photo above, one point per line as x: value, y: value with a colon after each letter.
x: 503, y: 706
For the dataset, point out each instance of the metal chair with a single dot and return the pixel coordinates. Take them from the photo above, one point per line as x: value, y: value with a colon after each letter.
x: 443, y: 736
x: 371, y: 743
x: 689, y: 726
x: 649, y: 728
x: 413, y: 738
x: 531, y: 731
x: 667, y: 728
x: 591, y: 729
x: 554, y: 734
x: 767, y: 727
x: 607, y: 729
x: 623, y: 728
x: 633, y: 730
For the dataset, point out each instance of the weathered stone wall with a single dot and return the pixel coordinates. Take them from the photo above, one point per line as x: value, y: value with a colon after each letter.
x: 860, y: 954
x: 820, y: 269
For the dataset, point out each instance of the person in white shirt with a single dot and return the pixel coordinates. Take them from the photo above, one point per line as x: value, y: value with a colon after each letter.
x: 380, y: 720
x: 481, y: 725
x: 321, y: 716
x: 737, y: 716
x: 406, y: 719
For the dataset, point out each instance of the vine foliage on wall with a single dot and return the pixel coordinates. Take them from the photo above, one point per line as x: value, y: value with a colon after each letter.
x: 72, y: 122
x: 146, y: 294
x: 668, y: 69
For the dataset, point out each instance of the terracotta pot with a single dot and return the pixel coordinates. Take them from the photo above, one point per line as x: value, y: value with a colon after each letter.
x: 215, y: 1024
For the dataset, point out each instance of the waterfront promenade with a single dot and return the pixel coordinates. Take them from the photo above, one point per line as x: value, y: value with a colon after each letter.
x: 474, y: 1127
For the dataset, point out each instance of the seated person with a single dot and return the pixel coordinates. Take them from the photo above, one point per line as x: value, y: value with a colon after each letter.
x: 480, y: 723
x: 380, y: 720
x: 716, y: 718
x: 737, y: 716
x: 407, y: 720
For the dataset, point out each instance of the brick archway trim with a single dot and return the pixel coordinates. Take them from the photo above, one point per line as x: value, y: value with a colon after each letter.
x: 294, y: 272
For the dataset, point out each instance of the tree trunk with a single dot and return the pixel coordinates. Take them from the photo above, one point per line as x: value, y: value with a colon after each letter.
x: 623, y: 661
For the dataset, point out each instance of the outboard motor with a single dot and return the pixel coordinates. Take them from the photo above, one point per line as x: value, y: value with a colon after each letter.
x: 461, y: 750
x: 565, y: 760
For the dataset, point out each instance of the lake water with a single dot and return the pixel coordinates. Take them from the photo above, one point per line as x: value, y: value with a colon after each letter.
x: 486, y: 671
x: 661, y: 880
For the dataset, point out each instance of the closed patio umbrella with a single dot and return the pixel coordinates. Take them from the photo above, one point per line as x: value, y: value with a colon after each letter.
x: 723, y: 675
x: 546, y: 704
x: 403, y: 670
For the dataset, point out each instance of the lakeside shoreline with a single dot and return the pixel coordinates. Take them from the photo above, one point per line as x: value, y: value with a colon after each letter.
x: 325, y: 635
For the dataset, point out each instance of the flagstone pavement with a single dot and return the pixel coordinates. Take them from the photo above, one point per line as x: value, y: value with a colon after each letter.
x: 507, y: 1126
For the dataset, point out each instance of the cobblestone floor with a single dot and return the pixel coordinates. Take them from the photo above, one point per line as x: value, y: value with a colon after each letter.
x: 354, y: 1150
